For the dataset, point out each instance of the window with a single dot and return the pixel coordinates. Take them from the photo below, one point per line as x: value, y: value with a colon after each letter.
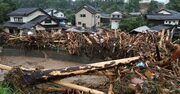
x: 79, y: 23
x: 84, y: 25
x: 82, y: 15
x: 98, y: 16
x: 18, y: 19
x: 47, y: 21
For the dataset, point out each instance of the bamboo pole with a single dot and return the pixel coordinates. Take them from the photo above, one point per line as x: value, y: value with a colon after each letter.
x: 77, y: 87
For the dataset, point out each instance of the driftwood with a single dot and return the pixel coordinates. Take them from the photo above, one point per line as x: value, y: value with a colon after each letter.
x: 56, y: 74
x: 102, y: 45
x: 32, y: 77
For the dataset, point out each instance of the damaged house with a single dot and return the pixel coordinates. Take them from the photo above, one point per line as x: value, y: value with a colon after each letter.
x: 24, y: 20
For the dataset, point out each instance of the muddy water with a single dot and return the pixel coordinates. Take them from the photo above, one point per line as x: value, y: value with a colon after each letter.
x: 48, y: 54
x: 48, y: 59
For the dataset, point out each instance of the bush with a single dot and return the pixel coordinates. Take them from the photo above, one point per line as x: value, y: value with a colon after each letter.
x: 6, y: 89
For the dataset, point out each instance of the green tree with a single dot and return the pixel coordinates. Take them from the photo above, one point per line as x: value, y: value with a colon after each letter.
x: 153, y: 7
x: 132, y: 6
x: 131, y: 23
x: 6, y: 6
x: 174, y: 5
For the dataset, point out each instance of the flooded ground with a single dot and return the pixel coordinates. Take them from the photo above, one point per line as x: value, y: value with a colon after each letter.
x: 49, y: 60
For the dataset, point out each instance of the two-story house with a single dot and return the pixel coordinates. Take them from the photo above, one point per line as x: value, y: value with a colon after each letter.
x: 88, y: 17
x: 24, y: 20
x: 165, y: 17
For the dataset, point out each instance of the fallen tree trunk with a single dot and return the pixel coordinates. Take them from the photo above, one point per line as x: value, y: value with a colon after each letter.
x: 56, y: 74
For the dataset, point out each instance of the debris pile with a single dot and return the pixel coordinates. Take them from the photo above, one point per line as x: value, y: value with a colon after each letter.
x: 103, y: 45
x: 157, y: 71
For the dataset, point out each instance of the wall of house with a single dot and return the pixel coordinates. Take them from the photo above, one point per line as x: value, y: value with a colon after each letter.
x: 98, y: 20
x: 32, y: 16
x: 171, y: 22
x: 115, y: 24
x: 52, y: 23
x: 59, y: 14
x: 155, y: 22
x: 90, y: 20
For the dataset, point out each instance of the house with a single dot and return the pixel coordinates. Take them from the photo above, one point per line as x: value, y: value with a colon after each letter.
x: 24, y: 20
x: 165, y: 19
x: 115, y: 19
x: 58, y: 16
x: 54, y: 12
x: 88, y: 17
x: 164, y: 16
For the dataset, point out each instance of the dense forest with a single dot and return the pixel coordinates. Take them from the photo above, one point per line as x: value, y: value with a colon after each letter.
x: 69, y: 6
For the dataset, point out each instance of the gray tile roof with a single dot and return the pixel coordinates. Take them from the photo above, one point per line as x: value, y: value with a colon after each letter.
x: 160, y: 27
x: 105, y: 15
x: 22, y: 11
x: 28, y: 25
x: 170, y: 11
x: 141, y: 29
x: 163, y: 17
x: 173, y: 16
x: 12, y: 24
x: 34, y: 22
x: 89, y: 8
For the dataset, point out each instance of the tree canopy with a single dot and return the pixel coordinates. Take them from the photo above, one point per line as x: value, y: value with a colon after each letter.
x: 6, y: 6
x: 174, y: 5
x: 131, y: 23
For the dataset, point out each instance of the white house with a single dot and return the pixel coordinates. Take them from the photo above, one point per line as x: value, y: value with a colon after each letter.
x: 115, y: 19
x: 87, y: 17
x: 28, y: 19
x: 54, y: 12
